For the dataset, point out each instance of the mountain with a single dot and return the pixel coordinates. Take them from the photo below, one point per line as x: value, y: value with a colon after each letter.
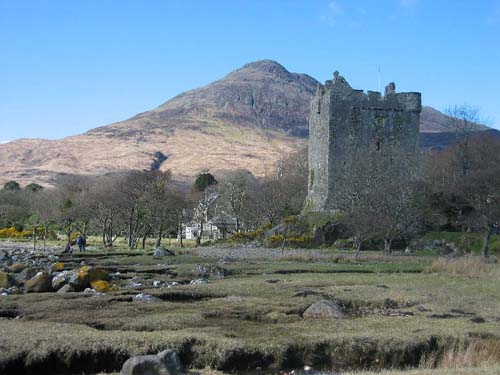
x: 248, y: 119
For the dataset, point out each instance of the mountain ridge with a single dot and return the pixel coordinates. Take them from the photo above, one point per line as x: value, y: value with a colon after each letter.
x: 248, y: 119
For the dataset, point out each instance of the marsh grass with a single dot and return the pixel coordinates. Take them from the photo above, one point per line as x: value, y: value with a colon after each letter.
x: 475, y: 353
x: 471, y: 266
x: 253, y: 317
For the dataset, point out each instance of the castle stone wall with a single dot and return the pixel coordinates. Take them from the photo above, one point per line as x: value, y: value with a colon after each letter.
x: 345, y: 123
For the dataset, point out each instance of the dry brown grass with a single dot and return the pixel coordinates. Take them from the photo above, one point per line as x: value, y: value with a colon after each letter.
x: 471, y: 266
x: 476, y: 353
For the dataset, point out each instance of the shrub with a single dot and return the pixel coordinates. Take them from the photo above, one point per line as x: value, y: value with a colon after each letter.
x: 12, y: 186
x: 243, y: 236
x: 251, y: 235
x: 275, y: 240
x: 13, y: 232
x: 303, y: 240
x: 292, y: 219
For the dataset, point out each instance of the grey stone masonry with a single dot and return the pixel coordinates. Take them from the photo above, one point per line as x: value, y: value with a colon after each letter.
x: 345, y: 122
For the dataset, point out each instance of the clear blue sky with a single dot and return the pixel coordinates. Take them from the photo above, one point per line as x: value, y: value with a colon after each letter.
x: 68, y: 66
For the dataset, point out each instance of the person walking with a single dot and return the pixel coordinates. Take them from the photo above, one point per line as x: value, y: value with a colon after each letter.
x: 79, y: 242
x: 83, y: 240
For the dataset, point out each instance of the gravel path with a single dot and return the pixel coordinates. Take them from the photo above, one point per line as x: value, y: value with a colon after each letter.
x: 27, y: 246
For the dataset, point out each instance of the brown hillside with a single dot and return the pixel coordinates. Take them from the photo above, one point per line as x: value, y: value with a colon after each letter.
x: 248, y: 119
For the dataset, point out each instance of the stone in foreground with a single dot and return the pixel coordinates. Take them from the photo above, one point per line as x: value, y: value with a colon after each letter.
x: 164, y: 363
x: 323, y: 309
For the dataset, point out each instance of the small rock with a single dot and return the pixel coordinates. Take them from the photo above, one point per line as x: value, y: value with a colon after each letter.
x: 9, y: 291
x: 58, y: 282
x: 158, y: 283
x: 162, y: 252
x: 134, y: 285
x: 92, y: 292
x: 66, y: 289
x: 389, y: 303
x: 142, y: 297
x: 477, y: 319
x: 323, y: 309
x: 198, y: 282
x: 17, y: 267
x: 164, y: 363
x: 305, y: 293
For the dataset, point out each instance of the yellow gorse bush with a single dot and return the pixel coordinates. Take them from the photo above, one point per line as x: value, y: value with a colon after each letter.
x: 12, y: 232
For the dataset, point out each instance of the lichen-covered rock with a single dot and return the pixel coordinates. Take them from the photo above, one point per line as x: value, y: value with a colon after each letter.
x: 57, y: 267
x: 6, y: 280
x: 323, y: 309
x: 17, y: 267
x: 164, y: 363
x: 102, y: 286
x: 40, y: 283
x: 86, y: 275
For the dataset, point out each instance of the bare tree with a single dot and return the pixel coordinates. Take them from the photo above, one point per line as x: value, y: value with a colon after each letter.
x: 471, y: 200
x: 43, y: 205
x: 234, y: 190
x: 464, y: 119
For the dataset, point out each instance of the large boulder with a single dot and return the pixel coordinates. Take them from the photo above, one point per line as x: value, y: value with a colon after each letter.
x: 83, y: 277
x: 40, y: 283
x: 164, y: 363
x: 323, y: 309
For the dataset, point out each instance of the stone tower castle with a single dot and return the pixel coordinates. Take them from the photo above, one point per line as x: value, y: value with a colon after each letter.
x: 345, y: 123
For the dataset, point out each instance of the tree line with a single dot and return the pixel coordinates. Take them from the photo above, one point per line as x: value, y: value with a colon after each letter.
x: 454, y: 189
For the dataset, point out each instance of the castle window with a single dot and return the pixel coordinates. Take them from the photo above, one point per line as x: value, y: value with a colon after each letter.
x: 378, y: 144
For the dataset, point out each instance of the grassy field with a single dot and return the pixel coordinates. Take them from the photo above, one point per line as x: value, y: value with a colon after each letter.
x: 399, y: 311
